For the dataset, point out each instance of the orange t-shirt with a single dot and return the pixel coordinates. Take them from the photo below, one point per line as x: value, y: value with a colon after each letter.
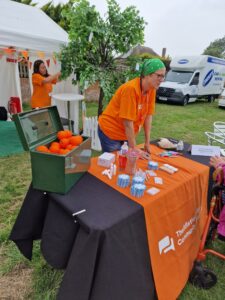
x: 41, y: 90
x: 127, y: 103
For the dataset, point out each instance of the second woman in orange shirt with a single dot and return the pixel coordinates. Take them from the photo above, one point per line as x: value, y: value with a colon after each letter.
x: 42, y: 85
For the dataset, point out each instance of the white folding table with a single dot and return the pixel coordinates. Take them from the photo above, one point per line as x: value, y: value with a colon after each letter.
x: 70, y: 97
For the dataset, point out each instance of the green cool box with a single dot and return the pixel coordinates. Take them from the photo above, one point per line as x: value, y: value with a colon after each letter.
x: 51, y: 172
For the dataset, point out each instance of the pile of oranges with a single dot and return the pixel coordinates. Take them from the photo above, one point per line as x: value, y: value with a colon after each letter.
x: 66, y: 142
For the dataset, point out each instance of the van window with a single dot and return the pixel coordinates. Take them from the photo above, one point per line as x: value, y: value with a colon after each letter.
x: 195, y: 80
x: 179, y: 76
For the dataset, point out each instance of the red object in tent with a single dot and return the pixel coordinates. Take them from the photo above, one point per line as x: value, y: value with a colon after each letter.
x: 14, y: 105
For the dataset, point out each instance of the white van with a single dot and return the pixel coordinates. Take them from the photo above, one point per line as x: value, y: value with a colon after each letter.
x: 193, y: 77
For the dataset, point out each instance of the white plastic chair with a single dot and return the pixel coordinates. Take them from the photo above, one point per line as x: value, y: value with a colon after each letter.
x: 218, y: 134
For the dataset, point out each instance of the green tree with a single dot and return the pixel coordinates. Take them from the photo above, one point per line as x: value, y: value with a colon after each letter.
x: 216, y: 48
x: 55, y: 13
x: 95, y: 42
x: 28, y: 2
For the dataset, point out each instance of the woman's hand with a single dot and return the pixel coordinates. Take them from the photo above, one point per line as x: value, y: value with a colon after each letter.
x: 215, y: 161
x: 143, y: 154
x: 52, y: 78
x: 147, y: 148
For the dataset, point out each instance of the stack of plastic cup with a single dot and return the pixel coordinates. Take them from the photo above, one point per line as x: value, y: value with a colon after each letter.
x: 153, y: 165
x: 138, y: 179
x: 123, y: 180
x: 137, y: 190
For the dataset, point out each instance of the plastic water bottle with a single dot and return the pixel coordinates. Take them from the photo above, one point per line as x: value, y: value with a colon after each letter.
x: 124, y: 148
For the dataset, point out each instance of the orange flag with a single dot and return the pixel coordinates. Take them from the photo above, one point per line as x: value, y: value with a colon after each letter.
x: 25, y: 54
x: 41, y: 54
x: 9, y: 51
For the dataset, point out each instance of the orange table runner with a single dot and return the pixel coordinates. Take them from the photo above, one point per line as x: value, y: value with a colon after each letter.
x: 174, y: 218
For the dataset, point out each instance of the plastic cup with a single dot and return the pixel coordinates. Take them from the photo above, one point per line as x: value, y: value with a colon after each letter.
x: 131, y: 164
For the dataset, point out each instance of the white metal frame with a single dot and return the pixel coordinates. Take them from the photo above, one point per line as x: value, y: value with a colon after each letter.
x: 218, y: 135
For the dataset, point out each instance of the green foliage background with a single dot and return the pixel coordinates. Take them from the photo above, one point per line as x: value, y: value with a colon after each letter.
x: 216, y: 48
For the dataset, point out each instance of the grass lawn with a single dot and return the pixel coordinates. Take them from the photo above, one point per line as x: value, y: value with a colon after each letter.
x: 36, y: 280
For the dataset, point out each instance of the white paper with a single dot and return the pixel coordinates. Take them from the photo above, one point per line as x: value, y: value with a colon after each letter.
x: 158, y: 180
x: 153, y: 191
x: 203, y: 150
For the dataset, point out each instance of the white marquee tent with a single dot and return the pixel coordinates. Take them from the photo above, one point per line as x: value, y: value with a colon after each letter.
x: 27, y: 28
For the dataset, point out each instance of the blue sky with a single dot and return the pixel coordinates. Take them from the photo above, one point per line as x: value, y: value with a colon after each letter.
x: 184, y: 27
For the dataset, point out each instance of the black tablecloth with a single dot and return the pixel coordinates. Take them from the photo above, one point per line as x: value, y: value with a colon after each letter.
x: 104, y: 250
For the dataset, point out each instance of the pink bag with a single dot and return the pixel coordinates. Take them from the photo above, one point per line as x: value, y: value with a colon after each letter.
x: 221, y: 225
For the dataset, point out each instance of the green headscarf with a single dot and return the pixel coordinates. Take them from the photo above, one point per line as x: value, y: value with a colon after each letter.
x: 149, y: 66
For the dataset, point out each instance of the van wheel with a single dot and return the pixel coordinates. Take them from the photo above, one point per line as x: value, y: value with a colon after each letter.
x: 185, y: 100
x: 211, y: 98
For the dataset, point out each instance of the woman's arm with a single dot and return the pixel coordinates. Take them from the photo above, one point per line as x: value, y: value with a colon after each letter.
x: 147, y: 130
x: 51, y: 78
x: 129, y: 130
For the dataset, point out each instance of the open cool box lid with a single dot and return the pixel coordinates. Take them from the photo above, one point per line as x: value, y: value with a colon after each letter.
x: 38, y: 127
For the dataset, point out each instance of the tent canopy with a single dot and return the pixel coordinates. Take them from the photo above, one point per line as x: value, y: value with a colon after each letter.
x: 28, y: 27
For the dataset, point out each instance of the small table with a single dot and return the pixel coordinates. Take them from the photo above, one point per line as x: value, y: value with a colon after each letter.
x: 70, y: 97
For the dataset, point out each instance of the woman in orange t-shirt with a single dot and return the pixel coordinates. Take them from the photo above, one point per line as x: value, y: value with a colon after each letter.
x: 42, y: 85
x: 132, y: 107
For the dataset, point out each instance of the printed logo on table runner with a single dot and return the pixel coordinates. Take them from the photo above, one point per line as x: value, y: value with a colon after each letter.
x: 166, y: 244
x: 181, y: 235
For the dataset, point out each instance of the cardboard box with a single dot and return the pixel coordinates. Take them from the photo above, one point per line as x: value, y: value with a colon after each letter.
x: 106, y: 159
x: 51, y: 172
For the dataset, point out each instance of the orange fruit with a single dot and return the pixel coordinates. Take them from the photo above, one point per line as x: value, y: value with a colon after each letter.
x: 63, y: 151
x: 68, y: 133
x: 76, y: 140
x: 42, y: 148
x: 55, y: 144
x: 54, y: 147
x: 73, y: 147
x: 70, y: 146
x: 61, y: 134
x: 66, y: 151
x: 64, y: 142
